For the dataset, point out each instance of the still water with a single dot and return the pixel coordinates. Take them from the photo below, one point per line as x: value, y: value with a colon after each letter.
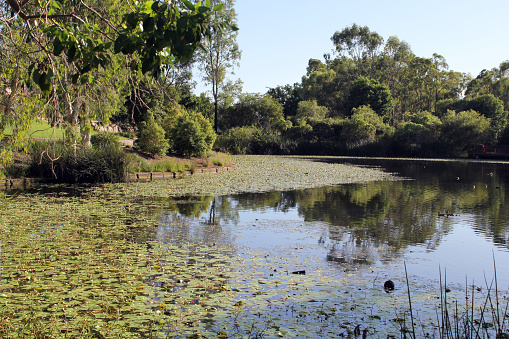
x: 444, y: 220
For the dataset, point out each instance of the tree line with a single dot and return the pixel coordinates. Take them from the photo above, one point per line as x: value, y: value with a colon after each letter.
x: 374, y: 97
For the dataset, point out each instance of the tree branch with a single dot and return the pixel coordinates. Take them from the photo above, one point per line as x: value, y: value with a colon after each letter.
x: 100, y: 16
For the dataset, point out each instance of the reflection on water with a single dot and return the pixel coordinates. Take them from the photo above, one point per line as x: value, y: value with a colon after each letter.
x: 377, y: 223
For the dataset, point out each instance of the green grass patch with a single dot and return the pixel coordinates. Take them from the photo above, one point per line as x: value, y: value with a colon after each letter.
x: 167, y: 165
x: 40, y: 129
x: 219, y: 159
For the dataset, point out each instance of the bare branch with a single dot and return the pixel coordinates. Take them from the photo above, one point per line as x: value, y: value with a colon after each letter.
x: 100, y: 16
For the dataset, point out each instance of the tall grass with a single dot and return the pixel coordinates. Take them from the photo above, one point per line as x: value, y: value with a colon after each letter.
x: 168, y: 165
x: 59, y: 162
x: 487, y: 320
x: 218, y: 159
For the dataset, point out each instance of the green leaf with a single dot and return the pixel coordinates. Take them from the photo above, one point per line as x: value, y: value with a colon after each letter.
x: 36, y: 75
x: 189, y: 5
x: 131, y: 21
x: 45, y: 83
x: 155, y: 6
x: 58, y: 47
x: 119, y: 43
x: 218, y: 8
x: 207, y: 3
x: 71, y: 52
x: 148, y: 24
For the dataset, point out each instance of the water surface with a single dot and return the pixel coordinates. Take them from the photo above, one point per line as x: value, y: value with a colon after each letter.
x: 448, y: 217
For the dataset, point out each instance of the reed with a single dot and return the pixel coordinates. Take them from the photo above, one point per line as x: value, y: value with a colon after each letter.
x: 487, y: 320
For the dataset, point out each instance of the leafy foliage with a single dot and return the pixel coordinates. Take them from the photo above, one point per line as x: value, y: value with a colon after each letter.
x: 192, y: 135
x: 152, y: 138
x: 460, y: 131
x: 371, y: 93
x: 259, y: 111
x: 418, y: 134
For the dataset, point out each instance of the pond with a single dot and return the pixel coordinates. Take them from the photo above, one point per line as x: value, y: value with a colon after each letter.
x: 294, y: 263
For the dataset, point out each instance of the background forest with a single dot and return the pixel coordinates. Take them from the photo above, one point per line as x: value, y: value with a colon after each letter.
x: 373, y: 97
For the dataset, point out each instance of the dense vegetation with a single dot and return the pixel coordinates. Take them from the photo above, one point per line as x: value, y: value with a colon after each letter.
x: 374, y: 97
x: 80, y: 65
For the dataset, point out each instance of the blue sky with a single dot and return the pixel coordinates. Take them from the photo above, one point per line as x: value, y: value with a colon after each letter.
x: 277, y: 38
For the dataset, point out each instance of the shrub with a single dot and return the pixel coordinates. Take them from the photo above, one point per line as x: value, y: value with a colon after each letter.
x: 364, y: 127
x: 252, y: 140
x: 418, y: 135
x: 461, y: 131
x: 62, y: 163
x: 151, y: 138
x: 237, y: 140
x: 310, y: 109
x: 192, y: 135
x: 105, y: 139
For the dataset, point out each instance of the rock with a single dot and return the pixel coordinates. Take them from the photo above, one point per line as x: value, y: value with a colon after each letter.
x: 389, y: 285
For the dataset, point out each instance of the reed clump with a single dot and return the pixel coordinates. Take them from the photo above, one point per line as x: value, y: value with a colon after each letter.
x: 468, y: 321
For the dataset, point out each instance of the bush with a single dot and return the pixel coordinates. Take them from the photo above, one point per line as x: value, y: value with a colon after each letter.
x: 237, y: 140
x: 192, y: 135
x: 62, y: 163
x: 252, y: 140
x: 151, y: 138
x: 105, y: 139
x: 461, y: 131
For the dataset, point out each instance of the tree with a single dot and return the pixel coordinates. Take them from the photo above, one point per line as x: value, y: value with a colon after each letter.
x: 461, y: 131
x: 256, y: 110
x: 311, y: 110
x: 220, y: 55
x: 418, y: 133
x: 488, y: 106
x: 359, y: 42
x: 151, y: 137
x: 288, y: 96
x: 192, y: 135
x: 372, y: 93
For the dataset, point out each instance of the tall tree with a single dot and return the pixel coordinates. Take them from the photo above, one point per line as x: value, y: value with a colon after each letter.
x: 361, y: 44
x: 220, y: 55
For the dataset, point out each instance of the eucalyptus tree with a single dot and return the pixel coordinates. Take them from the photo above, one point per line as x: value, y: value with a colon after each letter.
x: 220, y: 55
x: 494, y: 81
x: 361, y: 45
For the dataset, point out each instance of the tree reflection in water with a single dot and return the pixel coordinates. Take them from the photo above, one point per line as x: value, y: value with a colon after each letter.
x: 376, y: 221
